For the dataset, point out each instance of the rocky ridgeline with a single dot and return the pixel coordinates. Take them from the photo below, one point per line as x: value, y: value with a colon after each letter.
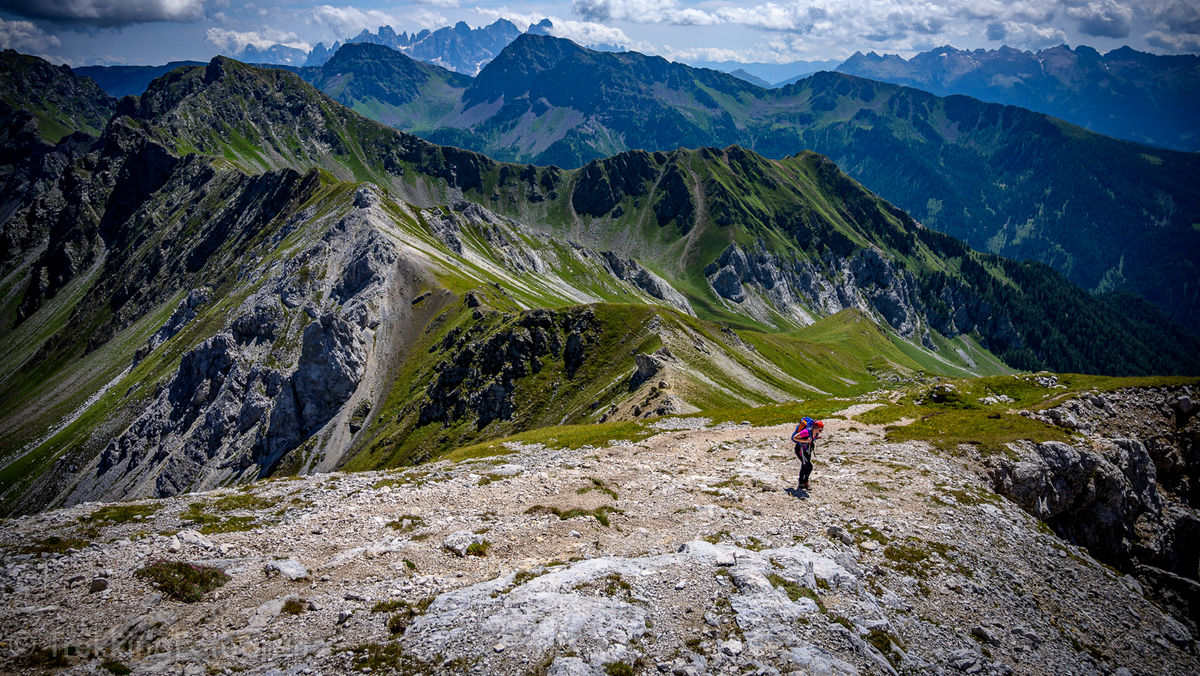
x: 294, y: 356
x: 683, y: 553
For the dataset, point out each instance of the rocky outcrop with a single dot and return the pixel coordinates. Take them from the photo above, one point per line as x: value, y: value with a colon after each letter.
x: 867, y: 280
x: 288, y: 362
x: 602, y: 184
x: 477, y: 377
x: 629, y: 270
x: 1129, y: 497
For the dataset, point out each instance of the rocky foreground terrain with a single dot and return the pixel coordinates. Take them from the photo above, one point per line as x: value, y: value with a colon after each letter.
x: 687, y: 552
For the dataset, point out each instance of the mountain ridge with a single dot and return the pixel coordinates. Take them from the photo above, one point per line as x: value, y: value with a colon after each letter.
x: 1124, y: 93
x: 965, y: 169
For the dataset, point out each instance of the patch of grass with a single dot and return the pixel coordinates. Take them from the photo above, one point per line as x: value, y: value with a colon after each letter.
x: 402, y: 612
x: 479, y: 548
x: 614, y: 584
x: 54, y: 545
x: 908, y: 559
x: 795, y: 591
x: 598, y: 485
x: 875, y: 487
x: 182, y: 581
x: 245, y: 501
x: 391, y: 605
x: 970, y: 496
x: 114, y: 667
x: 406, y: 523
x: 375, y: 657
x: 600, y: 513
x: 114, y: 514
x: 618, y: 669
x: 524, y: 576
x: 862, y: 533
x: 294, y: 606
x: 884, y: 643
x: 562, y: 436
x: 211, y: 523
x: 714, y: 538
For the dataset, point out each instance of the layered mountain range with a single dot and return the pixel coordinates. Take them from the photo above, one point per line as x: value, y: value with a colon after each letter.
x: 240, y: 277
x: 1109, y: 214
x: 1125, y: 93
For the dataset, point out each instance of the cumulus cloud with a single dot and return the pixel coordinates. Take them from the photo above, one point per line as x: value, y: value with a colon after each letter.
x: 589, y: 33
x: 1019, y: 34
x: 349, y: 21
x: 1181, y: 17
x: 107, y: 12
x: 234, y: 42
x: 585, y: 33
x: 1174, y: 42
x: 1103, y: 18
x: 26, y: 37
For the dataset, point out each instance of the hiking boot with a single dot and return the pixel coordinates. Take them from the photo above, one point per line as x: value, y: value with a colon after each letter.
x: 804, y: 485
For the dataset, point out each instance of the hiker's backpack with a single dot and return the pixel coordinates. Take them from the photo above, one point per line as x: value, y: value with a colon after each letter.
x: 807, y: 423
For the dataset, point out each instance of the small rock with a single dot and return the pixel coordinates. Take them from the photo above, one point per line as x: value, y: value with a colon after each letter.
x: 459, y: 541
x: 191, y: 537
x: 98, y: 584
x: 344, y: 615
x: 726, y: 559
x: 711, y: 620
x: 74, y: 580
x: 869, y: 545
x: 680, y: 585
x: 499, y: 647
x: 731, y: 647
x: 575, y: 534
x: 840, y: 533
x: 289, y: 568
x: 983, y: 634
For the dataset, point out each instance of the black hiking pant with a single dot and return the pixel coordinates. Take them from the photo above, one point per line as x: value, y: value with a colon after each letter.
x: 804, y: 452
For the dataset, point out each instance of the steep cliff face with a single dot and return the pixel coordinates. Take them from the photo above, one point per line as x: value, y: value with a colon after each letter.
x: 1130, y: 497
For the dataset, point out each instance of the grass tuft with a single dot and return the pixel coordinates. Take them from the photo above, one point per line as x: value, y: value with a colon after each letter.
x: 182, y: 581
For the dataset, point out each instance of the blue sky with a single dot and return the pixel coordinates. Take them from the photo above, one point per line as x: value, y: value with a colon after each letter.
x: 81, y: 32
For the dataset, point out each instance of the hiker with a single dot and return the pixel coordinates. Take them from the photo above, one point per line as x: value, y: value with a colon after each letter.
x: 805, y: 438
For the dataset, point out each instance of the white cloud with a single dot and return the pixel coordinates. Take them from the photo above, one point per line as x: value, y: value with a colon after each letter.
x: 1103, y: 18
x: 589, y: 33
x: 1030, y: 36
x: 234, y: 42
x: 108, y: 12
x: 580, y: 32
x: 26, y: 37
x: 350, y: 21
x: 1174, y: 42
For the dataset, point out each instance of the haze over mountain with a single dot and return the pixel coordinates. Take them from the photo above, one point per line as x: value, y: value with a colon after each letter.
x: 1004, y: 179
x: 1125, y: 93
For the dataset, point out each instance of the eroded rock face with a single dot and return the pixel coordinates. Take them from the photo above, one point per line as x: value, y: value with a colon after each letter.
x: 629, y: 270
x: 1129, y: 497
x: 290, y: 358
x: 866, y: 280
